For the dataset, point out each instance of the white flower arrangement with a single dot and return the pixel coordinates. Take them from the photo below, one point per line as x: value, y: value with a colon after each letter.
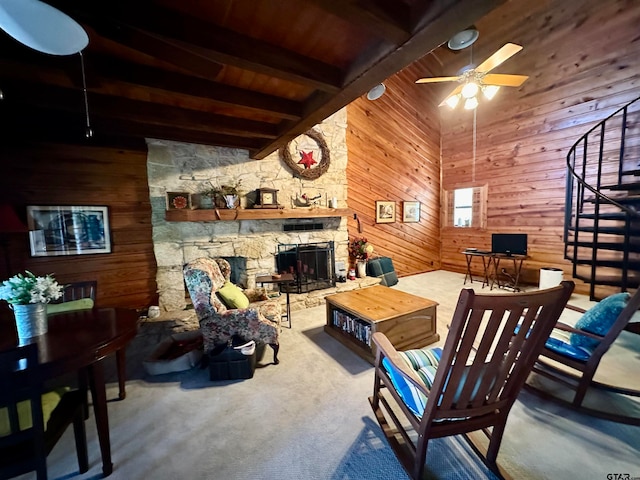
x: 25, y: 289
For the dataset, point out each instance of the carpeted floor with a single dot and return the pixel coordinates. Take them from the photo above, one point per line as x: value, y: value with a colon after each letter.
x: 309, y: 418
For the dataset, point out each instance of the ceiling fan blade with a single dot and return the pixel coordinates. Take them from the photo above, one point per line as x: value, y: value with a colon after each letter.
x: 504, y: 79
x: 437, y: 79
x: 455, y: 91
x: 503, y: 54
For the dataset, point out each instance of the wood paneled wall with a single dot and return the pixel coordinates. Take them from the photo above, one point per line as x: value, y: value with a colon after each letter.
x: 582, y: 59
x: 55, y: 174
x: 394, y: 155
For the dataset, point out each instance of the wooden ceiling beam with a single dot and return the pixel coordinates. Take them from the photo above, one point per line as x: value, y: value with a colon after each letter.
x: 208, y: 40
x: 119, y: 108
x: 390, y: 24
x: 111, y: 70
x: 157, y: 47
x: 442, y: 20
x: 29, y: 123
x: 103, y: 71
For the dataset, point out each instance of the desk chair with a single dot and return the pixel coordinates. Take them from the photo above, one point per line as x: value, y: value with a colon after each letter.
x: 79, y: 296
x: 469, y: 385
x: 32, y: 423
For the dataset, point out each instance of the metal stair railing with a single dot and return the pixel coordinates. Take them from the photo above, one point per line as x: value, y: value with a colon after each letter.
x: 581, y: 167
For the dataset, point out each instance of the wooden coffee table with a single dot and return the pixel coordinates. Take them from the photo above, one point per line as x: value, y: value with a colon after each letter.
x: 407, y: 320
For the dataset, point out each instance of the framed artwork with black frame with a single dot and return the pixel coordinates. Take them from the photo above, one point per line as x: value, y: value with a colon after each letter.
x: 68, y: 230
x: 385, y: 212
x: 410, y: 212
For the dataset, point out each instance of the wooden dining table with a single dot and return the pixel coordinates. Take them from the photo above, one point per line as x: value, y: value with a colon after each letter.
x: 78, y: 341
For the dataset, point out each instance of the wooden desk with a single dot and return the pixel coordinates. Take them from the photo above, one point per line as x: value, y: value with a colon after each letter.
x: 283, y: 278
x: 492, y: 271
x: 407, y: 320
x: 78, y: 341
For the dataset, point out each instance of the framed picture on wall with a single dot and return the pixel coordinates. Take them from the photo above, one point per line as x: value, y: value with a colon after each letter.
x: 68, y: 230
x: 385, y: 212
x: 410, y: 212
x: 178, y: 200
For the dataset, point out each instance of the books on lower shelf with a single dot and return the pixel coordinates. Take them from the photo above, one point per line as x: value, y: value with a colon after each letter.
x: 354, y: 326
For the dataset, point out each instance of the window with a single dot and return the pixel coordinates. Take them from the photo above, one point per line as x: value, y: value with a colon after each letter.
x: 463, y: 207
x: 466, y: 207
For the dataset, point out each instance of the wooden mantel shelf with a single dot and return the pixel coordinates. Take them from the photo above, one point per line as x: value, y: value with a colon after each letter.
x: 223, y: 214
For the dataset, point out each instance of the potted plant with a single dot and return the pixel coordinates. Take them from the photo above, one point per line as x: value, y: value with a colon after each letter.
x: 27, y: 296
x: 224, y: 196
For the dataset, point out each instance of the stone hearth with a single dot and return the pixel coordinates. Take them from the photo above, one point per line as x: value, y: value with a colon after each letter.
x: 179, y: 167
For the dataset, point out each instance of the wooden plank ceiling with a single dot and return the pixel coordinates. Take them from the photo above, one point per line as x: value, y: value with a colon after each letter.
x: 249, y: 74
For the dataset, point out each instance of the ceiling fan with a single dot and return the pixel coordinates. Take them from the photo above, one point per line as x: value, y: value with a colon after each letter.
x: 478, y: 79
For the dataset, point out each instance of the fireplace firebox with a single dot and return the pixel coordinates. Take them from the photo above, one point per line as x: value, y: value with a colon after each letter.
x: 312, y: 265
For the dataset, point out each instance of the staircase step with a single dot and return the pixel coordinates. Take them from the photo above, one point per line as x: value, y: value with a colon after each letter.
x: 630, y: 265
x: 612, y: 246
x: 631, y: 172
x: 627, y: 187
x: 623, y: 200
x: 634, y: 231
x: 610, y: 280
x: 605, y: 216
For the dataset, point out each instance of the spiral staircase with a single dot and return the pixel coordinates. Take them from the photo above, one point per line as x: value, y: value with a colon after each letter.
x: 602, y: 206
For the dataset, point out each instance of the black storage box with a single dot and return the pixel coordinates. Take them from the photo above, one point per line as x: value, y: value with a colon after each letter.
x: 229, y: 363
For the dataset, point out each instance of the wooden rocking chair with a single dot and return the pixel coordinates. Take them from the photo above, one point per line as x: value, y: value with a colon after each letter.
x: 573, y: 364
x: 472, y: 383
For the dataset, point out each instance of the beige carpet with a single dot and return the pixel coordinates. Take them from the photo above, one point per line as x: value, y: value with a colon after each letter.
x: 309, y: 418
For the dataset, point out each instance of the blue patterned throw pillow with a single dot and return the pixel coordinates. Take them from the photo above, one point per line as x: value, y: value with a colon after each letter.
x: 599, y: 319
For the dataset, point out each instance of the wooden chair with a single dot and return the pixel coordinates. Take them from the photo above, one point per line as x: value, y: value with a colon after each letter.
x: 74, y: 293
x: 471, y: 383
x: 27, y: 438
x: 575, y: 367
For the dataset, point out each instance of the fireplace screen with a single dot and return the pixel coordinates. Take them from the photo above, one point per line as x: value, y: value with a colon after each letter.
x: 312, y: 265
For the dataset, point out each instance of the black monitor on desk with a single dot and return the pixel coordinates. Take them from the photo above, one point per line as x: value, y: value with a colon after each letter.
x: 509, y: 243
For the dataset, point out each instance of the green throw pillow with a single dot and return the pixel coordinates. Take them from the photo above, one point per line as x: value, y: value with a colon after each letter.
x: 233, y: 296
x: 599, y: 319
x: 82, y: 304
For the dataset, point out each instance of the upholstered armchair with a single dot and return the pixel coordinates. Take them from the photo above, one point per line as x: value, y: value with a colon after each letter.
x: 258, y: 319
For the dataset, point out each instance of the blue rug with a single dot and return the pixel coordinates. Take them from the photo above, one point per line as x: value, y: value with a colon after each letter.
x: 371, y: 457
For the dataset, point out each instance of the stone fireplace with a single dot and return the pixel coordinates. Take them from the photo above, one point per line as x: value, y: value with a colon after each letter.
x: 179, y: 167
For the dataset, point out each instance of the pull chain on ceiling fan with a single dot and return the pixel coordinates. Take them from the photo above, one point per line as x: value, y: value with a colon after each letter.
x: 478, y: 79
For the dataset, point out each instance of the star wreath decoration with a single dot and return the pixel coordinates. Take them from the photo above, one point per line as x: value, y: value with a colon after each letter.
x: 308, y: 167
x: 307, y: 159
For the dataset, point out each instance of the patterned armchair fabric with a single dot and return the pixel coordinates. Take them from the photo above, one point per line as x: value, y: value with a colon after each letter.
x: 259, y: 322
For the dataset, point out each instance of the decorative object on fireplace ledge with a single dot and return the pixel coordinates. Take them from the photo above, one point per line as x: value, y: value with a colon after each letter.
x: 178, y: 200
x: 308, y: 167
x: 385, y: 212
x: 266, y: 198
x: 68, y: 230
x: 225, y: 196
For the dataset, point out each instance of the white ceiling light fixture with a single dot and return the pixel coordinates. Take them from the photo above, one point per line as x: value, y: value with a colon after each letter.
x: 376, y: 92
x: 42, y: 27
x: 463, y: 39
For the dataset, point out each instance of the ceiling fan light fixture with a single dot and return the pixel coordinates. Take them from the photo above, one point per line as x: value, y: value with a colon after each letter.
x: 42, y: 27
x: 469, y: 90
x: 463, y: 39
x: 470, y: 103
x: 489, y: 91
x: 452, y: 101
x: 376, y: 92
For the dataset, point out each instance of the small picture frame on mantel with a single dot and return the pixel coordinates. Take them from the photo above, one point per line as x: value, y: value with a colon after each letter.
x: 385, y: 212
x: 178, y: 200
x: 410, y: 212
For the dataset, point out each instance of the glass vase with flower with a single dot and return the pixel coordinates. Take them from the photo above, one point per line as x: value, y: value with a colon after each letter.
x: 360, y: 249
